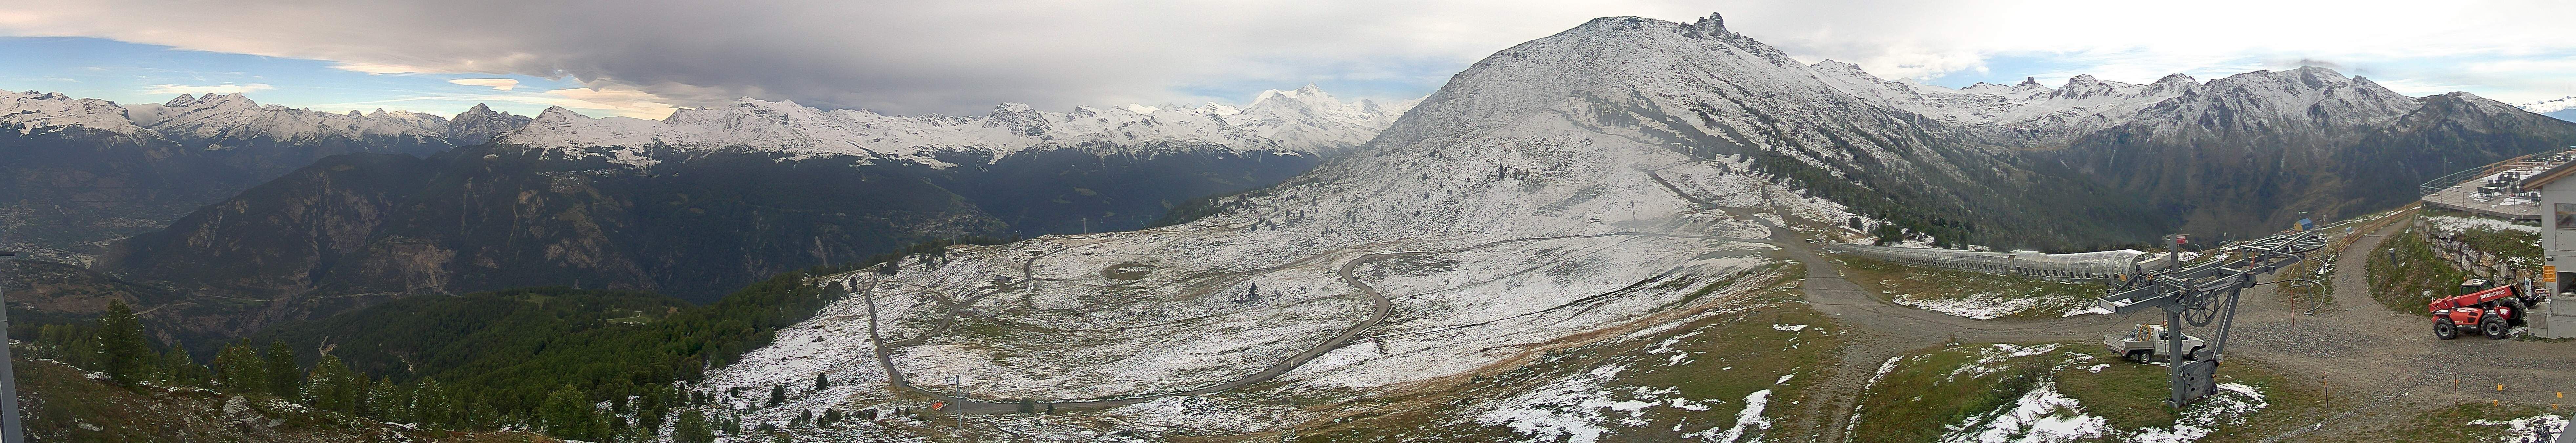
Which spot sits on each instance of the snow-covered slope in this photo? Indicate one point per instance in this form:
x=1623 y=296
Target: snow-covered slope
x=31 y=111
x=1305 y=120
x=1496 y=218
x=236 y=117
x=2012 y=115
x=1552 y=191
x=220 y=121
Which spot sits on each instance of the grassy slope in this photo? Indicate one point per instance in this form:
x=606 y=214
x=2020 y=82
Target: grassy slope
x=2452 y=424
x=1879 y=277
x=1731 y=355
x=1920 y=397
x=2400 y=285
x=64 y=404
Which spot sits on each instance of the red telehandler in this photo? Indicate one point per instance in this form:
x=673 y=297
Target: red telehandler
x=2493 y=311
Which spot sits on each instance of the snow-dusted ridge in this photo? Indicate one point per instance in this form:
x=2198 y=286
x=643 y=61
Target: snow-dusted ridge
x=1306 y=120
x=32 y=111
x=219 y=121
x=1559 y=187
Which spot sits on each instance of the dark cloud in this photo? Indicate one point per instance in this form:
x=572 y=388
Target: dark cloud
x=903 y=57
x=963 y=56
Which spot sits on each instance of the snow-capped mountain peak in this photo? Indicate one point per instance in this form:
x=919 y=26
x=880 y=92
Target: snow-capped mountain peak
x=31 y=111
x=1303 y=120
x=236 y=117
x=220 y=121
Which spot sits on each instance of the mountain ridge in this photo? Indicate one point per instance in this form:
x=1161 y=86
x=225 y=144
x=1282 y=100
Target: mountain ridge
x=1557 y=189
x=1306 y=120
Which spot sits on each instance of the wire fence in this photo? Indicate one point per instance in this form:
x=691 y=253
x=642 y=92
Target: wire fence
x=2098 y=265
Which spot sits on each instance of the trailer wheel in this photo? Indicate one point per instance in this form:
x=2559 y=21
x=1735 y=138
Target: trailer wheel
x=2494 y=327
x=2139 y=355
x=2444 y=329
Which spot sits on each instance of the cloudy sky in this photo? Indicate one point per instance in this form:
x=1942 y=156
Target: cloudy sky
x=640 y=58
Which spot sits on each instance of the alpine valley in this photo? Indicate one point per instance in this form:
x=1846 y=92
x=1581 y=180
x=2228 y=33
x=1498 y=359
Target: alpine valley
x=698 y=204
x=1598 y=235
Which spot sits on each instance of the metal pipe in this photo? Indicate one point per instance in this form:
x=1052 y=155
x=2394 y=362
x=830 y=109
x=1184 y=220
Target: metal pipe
x=10 y=430
x=2174 y=353
x=2226 y=320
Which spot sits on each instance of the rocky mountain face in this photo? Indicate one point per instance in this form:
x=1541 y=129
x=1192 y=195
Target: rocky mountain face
x=81 y=172
x=480 y=124
x=2243 y=155
x=1830 y=129
x=2236 y=156
x=711 y=199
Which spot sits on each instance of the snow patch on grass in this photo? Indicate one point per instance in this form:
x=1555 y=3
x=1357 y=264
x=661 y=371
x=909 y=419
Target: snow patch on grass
x=1750 y=419
x=2041 y=416
x=2226 y=407
x=1790 y=328
x=1981 y=306
x=2542 y=428
x=2450 y=225
x=1989 y=359
x=2085 y=310
x=1580 y=409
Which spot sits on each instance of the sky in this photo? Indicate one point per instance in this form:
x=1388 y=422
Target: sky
x=642 y=58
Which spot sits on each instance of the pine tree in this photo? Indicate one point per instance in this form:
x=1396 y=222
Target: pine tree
x=240 y=371
x=568 y=414
x=777 y=394
x=282 y=371
x=479 y=415
x=122 y=351
x=388 y=403
x=75 y=345
x=431 y=406
x=651 y=407
x=830 y=416
x=179 y=369
x=821 y=382
x=333 y=387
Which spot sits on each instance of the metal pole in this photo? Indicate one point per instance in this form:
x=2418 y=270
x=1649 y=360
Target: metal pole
x=10 y=430
x=2227 y=319
x=2174 y=353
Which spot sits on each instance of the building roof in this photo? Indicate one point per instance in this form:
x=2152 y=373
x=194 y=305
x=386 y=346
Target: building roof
x=2544 y=177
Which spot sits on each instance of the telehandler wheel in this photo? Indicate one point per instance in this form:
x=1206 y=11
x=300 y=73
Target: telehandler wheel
x=2494 y=327
x=2445 y=330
